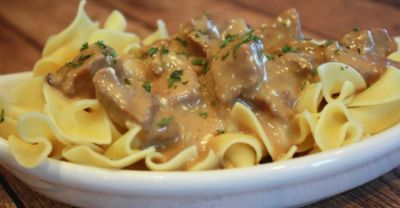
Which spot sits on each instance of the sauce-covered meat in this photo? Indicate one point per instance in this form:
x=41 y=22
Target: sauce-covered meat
x=182 y=89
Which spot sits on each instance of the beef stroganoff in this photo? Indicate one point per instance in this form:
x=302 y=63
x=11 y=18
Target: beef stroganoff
x=210 y=96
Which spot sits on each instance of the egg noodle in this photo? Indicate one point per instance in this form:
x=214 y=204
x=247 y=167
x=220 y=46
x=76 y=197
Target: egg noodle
x=40 y=122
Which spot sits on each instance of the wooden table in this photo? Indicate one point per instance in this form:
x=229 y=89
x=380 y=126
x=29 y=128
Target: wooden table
x=25 y=26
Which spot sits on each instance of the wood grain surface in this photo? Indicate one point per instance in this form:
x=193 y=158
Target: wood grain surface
x=26 y=25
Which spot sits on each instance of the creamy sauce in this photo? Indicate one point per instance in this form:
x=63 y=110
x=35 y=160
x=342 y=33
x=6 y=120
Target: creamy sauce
x=182 y=89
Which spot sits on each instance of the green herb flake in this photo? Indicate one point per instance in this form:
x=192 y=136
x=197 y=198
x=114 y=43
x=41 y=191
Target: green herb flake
x=152 y=51
x=287 y=49
x=228 y=39
x=126 y=81
x=84 y=46
x=165 y=121
x=269 y=57
x=203 y=114
x=225 y=56
x=213 y=102
x=174 y=77
x=356 y=29
x=199 y=32
x=342 y=68
x=220 y=131
x=198 y=62
x=82 y=58
x=2 y=116
x=206 y=68
x=147 y=86
x=303 y=85
x=73 y=64
x=164 y=50
x=101 y=44
x=246 y=38
x=206 y=14
x=181 y=41
x=187 y=54
x=314 y=71
x=328 y=43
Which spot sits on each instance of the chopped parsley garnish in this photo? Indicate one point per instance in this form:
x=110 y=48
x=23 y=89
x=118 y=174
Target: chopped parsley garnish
x=203 y=114
x=85 y=46
x=111 y=52
x=206 y=14
x=246 y=38
x=152 y=51
x=79 y=62
x=303 y=85
x=183 y=53
x=198 y=62
x=206 y=68
x=314 y=71
x=164 y=50
x=126 y=81
x=181 y=41
x=174 y=77
x=356 y=29
x=328 y=43
x=165 y=121
x=147 y=86
x=82 y=58
x=101 y=44
x=213 y=103
x=342 y=68
x=2 y=116
x=220 y=131
x=73 y=64
x=269 y=57
x=228 y=39
x=287 y=49
x=225 y=56
x=337 y=51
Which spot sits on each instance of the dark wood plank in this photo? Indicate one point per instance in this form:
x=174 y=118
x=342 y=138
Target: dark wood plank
x=174 y=12
x=5 y=199
x=333 y=18
x=28 y=197
x=41 y=18
x=16 y=54
x=381 y=192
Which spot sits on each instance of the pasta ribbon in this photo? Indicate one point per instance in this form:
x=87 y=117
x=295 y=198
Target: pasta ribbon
x=160 y=33
x=210 y=162
x=336 y=127
x=87 y=155
x=341 y=79
x=118 y=40
x=246 y=118
x=155 y=160
x=8 y=127
x=115 y=21
x=301 y=130
x=63 y=47
x=376 y=118
x=310 y=98
x=37 y=125
x=29 y=153
x=237 y=150
x=70 y=115
x=385 y=90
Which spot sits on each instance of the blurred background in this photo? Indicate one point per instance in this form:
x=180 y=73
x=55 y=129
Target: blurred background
x=25 y=25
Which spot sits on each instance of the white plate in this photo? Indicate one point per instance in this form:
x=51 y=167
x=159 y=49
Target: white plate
x=282 y=184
